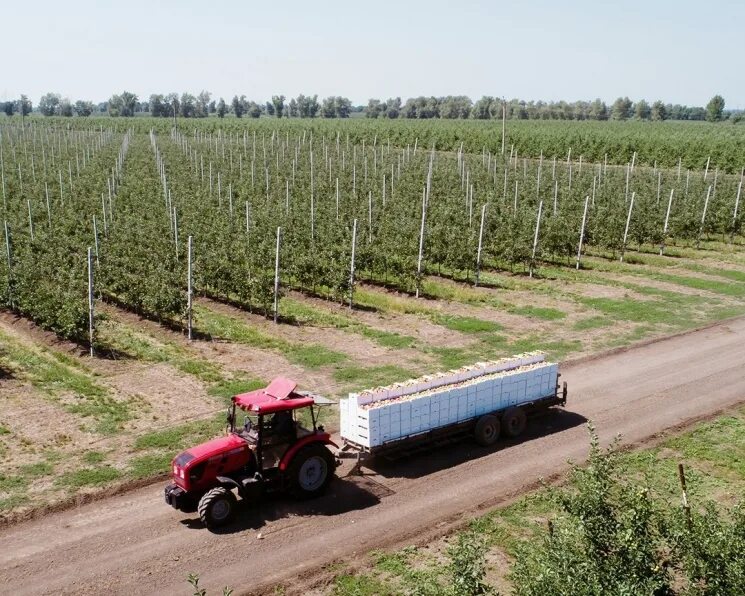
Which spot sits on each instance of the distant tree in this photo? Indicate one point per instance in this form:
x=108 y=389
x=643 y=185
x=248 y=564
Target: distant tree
x=641 y=110
x=278 y=102
x=188 y=106
x=65 y=108
x=49 y=104
x=83 y=108
x=374 y=108
x=173 y=103
x=658 y=112
x=9 y=107
x=393 y=107
x=202 y=105
x=222 y=108
x=598 y=110
x=158 y=107
x=212 y=107
x=237 y=106
x=24 y=107
x=253 y=109
x=714 y=108
x=342 y=106
x=328 y=107
x=270 y=108
x=123 y=105
x=621 y=109
x=292 y=109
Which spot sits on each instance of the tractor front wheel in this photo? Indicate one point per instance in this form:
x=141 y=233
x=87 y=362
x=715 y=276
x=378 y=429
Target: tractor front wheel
x=310 y=471
x=217 y=507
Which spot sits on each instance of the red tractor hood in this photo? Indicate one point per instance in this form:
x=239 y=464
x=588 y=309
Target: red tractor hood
x=216 y=447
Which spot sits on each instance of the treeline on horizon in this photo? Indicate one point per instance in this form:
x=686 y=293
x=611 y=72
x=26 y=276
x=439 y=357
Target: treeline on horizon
x=451 y=107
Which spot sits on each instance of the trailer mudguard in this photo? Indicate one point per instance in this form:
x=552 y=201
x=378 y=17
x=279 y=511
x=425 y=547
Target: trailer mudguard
x=323 y=438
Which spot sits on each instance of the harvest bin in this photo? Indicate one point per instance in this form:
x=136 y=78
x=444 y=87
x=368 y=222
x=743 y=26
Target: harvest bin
x=375 y=417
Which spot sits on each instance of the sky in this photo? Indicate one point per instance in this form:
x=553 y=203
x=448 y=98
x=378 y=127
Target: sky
x=678 y=51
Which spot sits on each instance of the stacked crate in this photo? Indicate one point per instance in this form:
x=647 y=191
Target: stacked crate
x=401 y=410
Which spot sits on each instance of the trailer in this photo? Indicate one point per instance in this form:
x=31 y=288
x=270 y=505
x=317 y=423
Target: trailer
x=482 y=401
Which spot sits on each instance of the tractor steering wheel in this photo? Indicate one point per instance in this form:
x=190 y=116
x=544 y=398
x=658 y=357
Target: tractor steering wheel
x=247 y=424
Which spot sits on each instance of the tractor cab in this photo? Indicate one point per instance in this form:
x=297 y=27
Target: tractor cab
x=278 y=446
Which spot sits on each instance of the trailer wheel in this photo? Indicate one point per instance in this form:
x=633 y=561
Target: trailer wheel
x=514 y=421
x=310 y=471
x=217 y=507
x=487 y=430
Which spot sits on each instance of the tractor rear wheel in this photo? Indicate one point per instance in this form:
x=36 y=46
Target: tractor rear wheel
x=310 y=471
x=217 y=507
x=514 y=421
x=487 y=430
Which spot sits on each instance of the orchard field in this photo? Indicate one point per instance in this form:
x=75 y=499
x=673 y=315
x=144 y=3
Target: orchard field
x=449 y=244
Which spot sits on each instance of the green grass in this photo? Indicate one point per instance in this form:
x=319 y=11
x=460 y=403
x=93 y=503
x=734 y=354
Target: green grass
x=465 y=324
x=360 y=585
x=56 y=379
x=177 y=437
x=592 y=323
x=228 y=388
x=88 y=477
x=37 y=469
x=10 y=483
x=93 y=457
x=231 y=329
x=317 y=317
x=141 y=346
x=146 y=466
x=538 y=312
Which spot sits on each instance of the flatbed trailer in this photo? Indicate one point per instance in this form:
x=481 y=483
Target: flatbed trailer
x=452 y=433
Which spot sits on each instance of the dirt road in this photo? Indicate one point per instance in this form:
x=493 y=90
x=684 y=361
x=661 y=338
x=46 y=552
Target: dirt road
x=135 y=544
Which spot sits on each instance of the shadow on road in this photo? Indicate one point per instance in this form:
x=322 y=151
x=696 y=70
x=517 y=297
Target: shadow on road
x=343 y=495
x=437 y=459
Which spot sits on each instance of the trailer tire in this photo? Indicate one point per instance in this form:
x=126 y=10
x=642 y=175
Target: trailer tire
x=217 y=507
x=310 y=471
x=487 y=430
x=514 y=421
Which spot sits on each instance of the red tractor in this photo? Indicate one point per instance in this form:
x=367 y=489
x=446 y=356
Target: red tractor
x=271 y=452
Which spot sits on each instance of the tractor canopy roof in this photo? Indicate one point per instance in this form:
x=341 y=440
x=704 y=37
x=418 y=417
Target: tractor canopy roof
x=279 y=396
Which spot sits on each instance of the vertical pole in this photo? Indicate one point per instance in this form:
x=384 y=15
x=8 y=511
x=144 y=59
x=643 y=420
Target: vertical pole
x=90 y=300
x=9 y=257
x=667 y=219
x=734 y=215
x=582 y=233
x=703 y=217
x=535 y=238
x=628 y=222
x=30 y=220
x=189 y=287
x=369 y=216
x=556 y=195
x=421 y=242
x=686 y=506
x=276 y=276
x=504 y=123
x=351 y=267
x=481 y=238
x=337 y=199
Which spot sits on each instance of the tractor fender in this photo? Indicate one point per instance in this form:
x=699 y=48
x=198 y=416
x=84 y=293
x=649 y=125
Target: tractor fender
x=323 y=438
x=230 y=483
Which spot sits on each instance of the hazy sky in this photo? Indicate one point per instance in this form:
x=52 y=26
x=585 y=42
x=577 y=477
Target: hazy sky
x=679 y=51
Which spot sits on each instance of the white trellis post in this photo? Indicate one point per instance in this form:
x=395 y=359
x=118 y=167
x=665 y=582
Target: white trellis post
x=90 y=300
x=9 y=256
x=628 y=222
x=421 y=242
x=582 y=233
x=535 y=238
x=351 y=267
x=481 y=238
x=667 y=220
x=703 y=217
x=189 y=286
x=734 y=214
x=276 y=276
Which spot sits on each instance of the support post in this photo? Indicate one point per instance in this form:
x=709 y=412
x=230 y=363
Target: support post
x=276 y=276
x=351 y=267
x=582 y=233
x=90 y=300
x=481 y=239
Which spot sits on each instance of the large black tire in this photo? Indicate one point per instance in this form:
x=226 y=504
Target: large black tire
x=487 y=429
x=217 y=507
x=513 y=422
x=310 y=471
